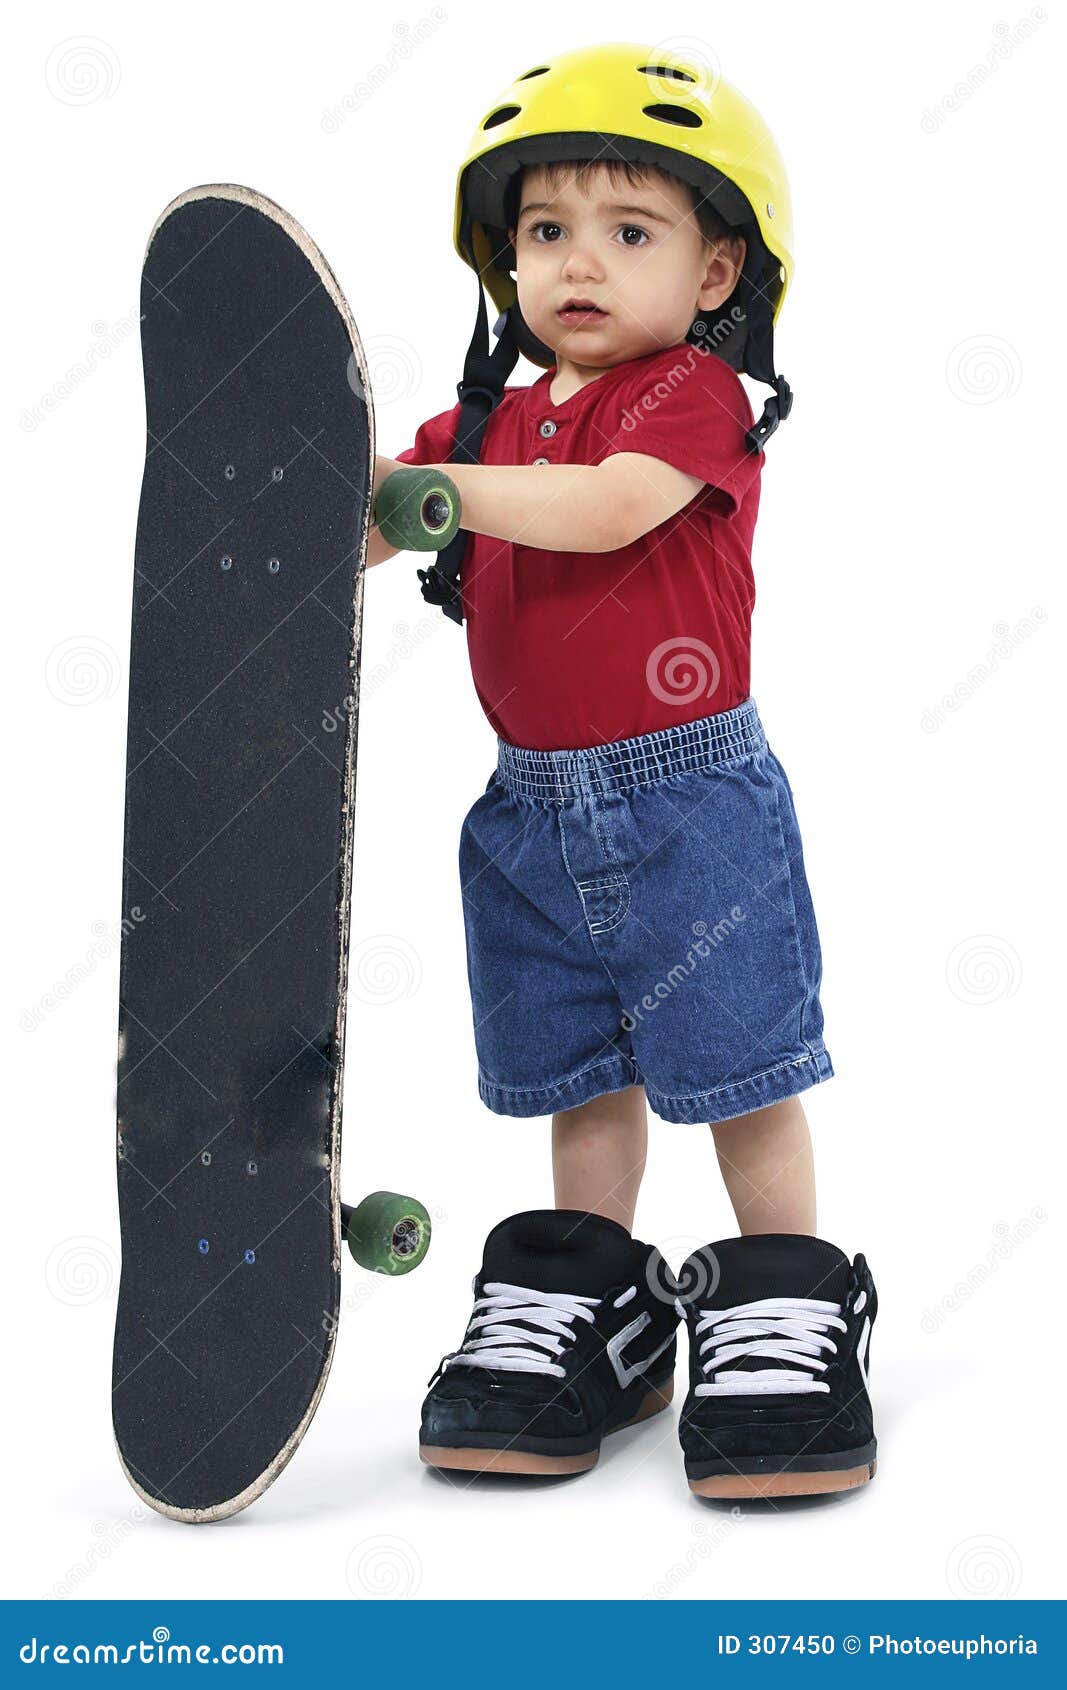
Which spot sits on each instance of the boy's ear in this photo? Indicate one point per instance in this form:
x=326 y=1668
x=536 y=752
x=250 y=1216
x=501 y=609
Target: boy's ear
x=723 y=271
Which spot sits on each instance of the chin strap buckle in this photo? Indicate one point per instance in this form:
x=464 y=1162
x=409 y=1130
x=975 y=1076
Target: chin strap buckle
x=439 y=589
x=775 y=411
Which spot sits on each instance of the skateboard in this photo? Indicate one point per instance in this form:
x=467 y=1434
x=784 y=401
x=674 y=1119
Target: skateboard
x=237 y=853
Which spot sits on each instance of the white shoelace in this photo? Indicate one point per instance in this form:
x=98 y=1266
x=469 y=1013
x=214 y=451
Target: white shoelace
x=492 y=1341
x=785 y=1329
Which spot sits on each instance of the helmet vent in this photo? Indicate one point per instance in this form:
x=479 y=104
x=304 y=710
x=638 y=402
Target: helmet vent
x=678 y=115
x=540 y=71
x=503 y=114
x=670 y=72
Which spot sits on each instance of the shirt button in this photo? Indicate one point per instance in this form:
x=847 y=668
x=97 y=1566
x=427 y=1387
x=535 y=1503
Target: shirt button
x=541 y=460
x=547 y=429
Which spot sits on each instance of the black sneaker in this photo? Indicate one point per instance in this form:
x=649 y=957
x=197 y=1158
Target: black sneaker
x=573 y=1335
x=779 y=1335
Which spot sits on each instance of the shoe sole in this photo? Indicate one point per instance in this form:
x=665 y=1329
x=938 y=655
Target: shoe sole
x=752 y=1486
x=532 y=1464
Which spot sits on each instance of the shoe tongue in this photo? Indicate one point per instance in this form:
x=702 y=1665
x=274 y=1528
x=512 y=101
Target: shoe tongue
x=773 y=1264
x=560 y=1250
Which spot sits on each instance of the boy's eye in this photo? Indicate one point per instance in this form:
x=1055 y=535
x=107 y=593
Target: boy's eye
x=630 y=234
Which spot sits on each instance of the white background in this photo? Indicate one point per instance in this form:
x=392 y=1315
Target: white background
x=910 y=527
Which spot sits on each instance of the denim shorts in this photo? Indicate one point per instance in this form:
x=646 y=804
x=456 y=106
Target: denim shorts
x=638 y=913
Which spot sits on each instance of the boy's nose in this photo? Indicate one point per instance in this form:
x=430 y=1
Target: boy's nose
x=579 y=265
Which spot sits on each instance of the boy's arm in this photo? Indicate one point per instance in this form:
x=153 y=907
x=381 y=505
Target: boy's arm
x=559 y=507
x=571 y=507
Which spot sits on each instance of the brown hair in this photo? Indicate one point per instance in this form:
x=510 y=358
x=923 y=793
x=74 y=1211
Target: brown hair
x=712 y=226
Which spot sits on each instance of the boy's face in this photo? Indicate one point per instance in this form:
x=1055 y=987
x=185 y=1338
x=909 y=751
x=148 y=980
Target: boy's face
x=636 y=254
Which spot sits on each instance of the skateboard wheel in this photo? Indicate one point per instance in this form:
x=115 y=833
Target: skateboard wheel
x=387 y=1233
x=417 y=510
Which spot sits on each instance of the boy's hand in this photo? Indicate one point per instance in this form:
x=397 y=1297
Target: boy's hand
x=379 y=549
x=384 y=467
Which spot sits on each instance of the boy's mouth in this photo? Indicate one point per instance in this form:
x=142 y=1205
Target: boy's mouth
x=581 y=313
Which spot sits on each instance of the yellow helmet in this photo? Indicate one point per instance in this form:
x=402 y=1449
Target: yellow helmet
x=641 y=105
x=644 y=105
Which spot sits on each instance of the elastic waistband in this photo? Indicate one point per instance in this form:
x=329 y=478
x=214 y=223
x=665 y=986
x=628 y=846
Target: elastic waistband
x=626 y=763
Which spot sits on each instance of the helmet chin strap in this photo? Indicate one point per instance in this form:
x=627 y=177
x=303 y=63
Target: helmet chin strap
x=480 y=392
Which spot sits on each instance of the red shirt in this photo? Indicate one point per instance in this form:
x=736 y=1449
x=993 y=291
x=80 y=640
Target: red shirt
x=573 y=649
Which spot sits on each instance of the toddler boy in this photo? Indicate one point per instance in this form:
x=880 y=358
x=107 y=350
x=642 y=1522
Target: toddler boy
x=638 y=920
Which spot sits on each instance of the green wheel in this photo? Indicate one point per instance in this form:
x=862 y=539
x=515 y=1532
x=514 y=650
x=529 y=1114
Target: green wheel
x=387 y=1233
x=417 y=510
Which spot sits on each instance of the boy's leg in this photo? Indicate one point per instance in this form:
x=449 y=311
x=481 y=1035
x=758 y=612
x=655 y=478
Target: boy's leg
x=598 y=1155
x=778 y=1438
x=768 y=1168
